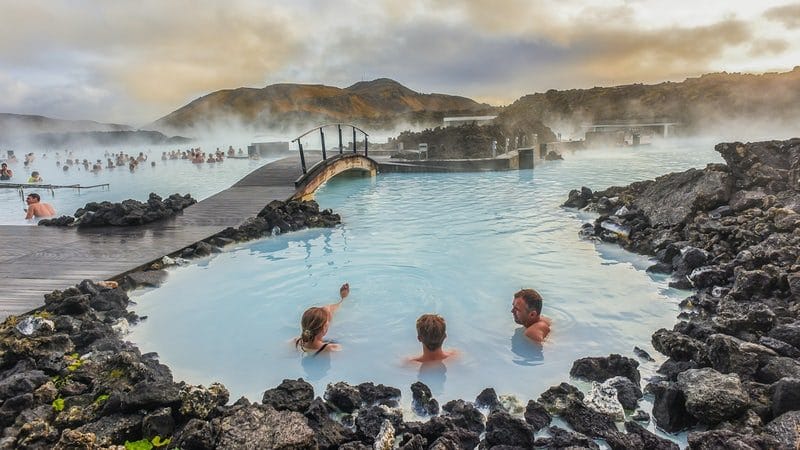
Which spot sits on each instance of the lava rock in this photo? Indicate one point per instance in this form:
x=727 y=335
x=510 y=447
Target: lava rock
x=536 y=415
x=578 y=199
x=488 y=399
x=557 y=399
x=789 y=333
x=328 y=433
x=195 y=435
x=602 y=398
x=370 y=421
x=290 y=395
x=727 y=439
x=261 y=426
x=343 y=396
x=21 y=383
x=464 y=415
x=423 y=401
x=563 y=439
x=780 y=347
x=504 y=429
x=678 y=346
x=712 y=397
x=602 y=368
x=648 y=440
x=158 y=423
x=641 y=354
x=200 y=402
x=776 y=368
x=148 y=278
x=786 y=428
x=628 y=392
x=785 y=396
x=372 y=393
x=669 y=407
x=115 y=428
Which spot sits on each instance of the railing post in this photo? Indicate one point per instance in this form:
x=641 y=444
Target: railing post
x=354 y=139
x=366 y=144
x=322 y=139
x=340 y=138
x=302 y=158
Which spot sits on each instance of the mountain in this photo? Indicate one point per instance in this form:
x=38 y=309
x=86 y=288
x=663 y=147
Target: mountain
x=381 y=103
x=26 y=132
x=20 y=124
x=723 y=102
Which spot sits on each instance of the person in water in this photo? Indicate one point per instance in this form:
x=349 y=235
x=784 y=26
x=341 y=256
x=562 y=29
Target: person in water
x=37 y=209
x=314 y=325
x=5 y=172
x=527 y=311
x=35 y=177
x=431 y=332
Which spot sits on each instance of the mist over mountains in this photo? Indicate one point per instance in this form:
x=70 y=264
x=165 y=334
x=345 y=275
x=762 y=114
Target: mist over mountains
x=723 y=103
x=377 y=104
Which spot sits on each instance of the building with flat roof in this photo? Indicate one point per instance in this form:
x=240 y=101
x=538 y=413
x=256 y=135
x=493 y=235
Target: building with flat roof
x=463 y=120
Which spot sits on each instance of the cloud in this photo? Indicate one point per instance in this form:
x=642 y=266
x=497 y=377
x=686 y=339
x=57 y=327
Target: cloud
x=788 y=15
x=135 y=62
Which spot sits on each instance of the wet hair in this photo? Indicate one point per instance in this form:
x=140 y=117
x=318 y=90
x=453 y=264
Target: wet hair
x=311 y=324
x=533 y=301
x=34 y=174
x=36 y=196
x=431 y=330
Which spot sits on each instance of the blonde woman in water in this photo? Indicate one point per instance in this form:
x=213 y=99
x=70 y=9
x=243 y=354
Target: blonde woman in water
x=314 y=325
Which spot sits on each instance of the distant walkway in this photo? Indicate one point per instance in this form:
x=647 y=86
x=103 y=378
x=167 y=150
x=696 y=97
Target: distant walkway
x=36 y=260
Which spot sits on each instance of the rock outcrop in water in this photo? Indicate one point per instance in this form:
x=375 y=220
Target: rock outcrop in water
x=731 y=232
x=127 y=213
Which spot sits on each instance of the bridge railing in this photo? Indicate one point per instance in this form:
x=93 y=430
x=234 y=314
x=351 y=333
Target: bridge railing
x=338 y=128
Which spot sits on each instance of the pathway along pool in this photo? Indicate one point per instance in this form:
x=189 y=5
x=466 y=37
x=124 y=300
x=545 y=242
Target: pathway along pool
x=458 y=245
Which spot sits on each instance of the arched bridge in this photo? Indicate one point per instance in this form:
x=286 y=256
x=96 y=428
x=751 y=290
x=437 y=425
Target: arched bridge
x=338 y=160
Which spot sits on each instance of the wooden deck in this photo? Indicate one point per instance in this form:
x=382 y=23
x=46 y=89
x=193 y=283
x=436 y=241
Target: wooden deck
x=37 y=260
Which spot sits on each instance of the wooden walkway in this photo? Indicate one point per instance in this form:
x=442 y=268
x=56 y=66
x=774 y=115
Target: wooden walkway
x=36 y=260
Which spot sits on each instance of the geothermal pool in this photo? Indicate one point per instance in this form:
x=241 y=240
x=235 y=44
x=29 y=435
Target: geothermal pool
x=166 y=178
x=458 y=245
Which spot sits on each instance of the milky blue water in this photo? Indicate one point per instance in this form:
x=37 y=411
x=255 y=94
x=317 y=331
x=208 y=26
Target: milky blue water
x=458 y=245
x=166 y=178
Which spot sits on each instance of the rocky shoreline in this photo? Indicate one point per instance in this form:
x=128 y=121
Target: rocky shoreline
x=124 y=214
x=69 y=381
x=731 y=232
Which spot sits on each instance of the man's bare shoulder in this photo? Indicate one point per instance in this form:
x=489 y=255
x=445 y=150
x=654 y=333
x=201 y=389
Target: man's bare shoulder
x=538 y=331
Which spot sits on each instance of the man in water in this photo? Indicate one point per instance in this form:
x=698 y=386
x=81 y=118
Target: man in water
x=527 y=311
x=37 y=209
x=431 y=332
x=5 y=172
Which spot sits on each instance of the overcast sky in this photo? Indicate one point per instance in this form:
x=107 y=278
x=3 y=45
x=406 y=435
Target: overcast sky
x=135 y=61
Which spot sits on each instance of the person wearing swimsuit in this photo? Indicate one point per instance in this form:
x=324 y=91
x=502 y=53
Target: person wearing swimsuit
x=314 y=325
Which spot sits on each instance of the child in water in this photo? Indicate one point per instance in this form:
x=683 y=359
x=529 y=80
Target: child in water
x=314 y=325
